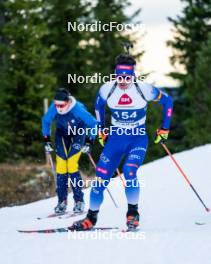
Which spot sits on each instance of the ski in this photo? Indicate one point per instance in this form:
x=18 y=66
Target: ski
x=130 y=230
x=52 y=215
x=200 y=223
x=65 y=229
x=61 y=215
x=71 y=214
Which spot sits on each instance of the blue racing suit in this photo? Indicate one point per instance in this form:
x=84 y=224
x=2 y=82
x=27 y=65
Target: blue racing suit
x=128 y=115
x=68 y=143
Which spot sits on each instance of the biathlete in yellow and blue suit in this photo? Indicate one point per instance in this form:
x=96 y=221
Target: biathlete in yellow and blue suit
x=70 y=116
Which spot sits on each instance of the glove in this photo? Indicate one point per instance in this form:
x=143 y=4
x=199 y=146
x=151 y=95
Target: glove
x=102 y=137
x=87 y=148
x=48 y=145
x=161 y=135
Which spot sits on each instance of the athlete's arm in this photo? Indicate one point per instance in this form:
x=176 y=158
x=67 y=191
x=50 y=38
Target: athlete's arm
x=100 y=110
x=166 y=101
x=47 y=120
x=79 y=111
x=154 y=94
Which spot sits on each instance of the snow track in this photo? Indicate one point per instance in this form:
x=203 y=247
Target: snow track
x=168 y=233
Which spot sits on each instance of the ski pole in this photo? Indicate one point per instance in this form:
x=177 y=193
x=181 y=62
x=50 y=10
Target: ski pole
x=94 y=165
x=184 y=175
x=120 y=176
x=52 y=169
x=117 y=170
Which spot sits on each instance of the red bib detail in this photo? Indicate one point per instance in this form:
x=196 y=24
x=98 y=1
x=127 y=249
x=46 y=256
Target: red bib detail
x=125 y=100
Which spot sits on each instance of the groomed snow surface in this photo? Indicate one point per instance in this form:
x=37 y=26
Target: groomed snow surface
x=168 y=233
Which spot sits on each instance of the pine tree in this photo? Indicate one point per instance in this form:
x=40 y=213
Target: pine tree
x=104 y=46
x=85 y=52
x=198 y=124
x=35 y=43
x=25 y=78
x=109 y=43
x=69 y=55
x=190 y=31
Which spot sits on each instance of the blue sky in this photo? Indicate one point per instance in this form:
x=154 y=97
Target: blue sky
x=156 y=59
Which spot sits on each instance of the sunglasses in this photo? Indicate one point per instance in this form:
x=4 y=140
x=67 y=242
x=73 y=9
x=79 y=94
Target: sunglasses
x=60 y=105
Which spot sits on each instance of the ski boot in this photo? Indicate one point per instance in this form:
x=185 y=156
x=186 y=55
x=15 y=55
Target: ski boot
x=61 y=207
x=87 y=223
x=78 y=207
x=132 y=217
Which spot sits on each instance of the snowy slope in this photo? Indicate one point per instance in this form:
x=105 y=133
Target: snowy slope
x=168 y=212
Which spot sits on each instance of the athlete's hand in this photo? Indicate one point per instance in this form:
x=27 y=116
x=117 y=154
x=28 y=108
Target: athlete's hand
x=102 y=137
x=48 y=145
x=161 y=135
x=87 y=148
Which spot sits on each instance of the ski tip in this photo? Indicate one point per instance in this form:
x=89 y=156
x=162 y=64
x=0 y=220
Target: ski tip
x=200 y=223
x=24 y=231
x=208 y=209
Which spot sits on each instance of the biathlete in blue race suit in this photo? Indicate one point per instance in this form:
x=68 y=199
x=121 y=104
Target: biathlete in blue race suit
x=127 y=99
